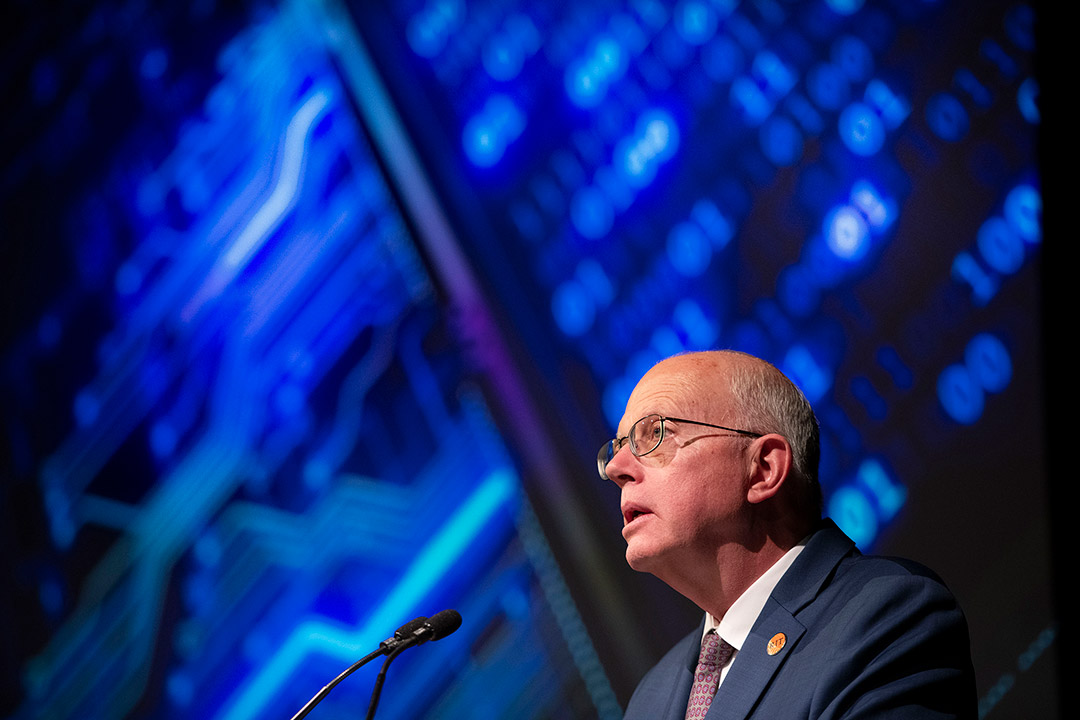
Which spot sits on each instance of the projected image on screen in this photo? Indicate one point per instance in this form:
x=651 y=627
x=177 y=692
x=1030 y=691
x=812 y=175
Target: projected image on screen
x=316 y=313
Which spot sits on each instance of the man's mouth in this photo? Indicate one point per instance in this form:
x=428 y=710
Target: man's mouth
x=633 y=512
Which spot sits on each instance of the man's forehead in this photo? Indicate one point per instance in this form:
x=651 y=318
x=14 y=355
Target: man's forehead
x=678 y=386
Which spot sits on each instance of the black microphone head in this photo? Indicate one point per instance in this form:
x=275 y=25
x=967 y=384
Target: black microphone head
x=443 y=623
x=404 y=632
x=410 y=627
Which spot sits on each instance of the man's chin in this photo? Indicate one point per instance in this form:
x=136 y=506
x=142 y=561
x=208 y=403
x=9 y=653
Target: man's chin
x=640 y=559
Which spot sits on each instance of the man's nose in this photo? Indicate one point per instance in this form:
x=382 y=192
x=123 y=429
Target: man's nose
x=623 y=467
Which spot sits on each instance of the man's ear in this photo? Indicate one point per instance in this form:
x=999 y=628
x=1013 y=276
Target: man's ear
x=770 y=465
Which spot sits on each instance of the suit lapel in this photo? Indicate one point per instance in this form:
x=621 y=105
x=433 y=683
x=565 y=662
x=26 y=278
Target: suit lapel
x=760 y=658
x=757 y=662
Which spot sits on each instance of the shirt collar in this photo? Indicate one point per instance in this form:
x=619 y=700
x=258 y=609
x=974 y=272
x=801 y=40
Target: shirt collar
x=740 y=617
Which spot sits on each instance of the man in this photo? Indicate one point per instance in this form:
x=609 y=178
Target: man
x=716 y=457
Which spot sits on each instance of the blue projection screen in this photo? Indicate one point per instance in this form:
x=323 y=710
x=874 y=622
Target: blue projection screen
x=315 y=313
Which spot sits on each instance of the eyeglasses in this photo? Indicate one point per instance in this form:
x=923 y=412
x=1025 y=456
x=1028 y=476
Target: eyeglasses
x=646 y=435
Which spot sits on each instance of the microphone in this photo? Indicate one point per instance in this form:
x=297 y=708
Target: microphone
x=403 y=633
x=415 y=632
x=436 y=627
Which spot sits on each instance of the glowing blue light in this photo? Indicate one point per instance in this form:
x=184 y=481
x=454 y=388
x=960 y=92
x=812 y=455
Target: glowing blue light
x=804 y=370
x=960 y=395
x=749 y=99
x=845 y=7
x=988 y=361
x=488 y=133
x=803 y=110
x=573 y=308
x=712 y=221
x=591 y=212
x=504 y=53
x=502 y=58
x=655 y=140
x=774 y=73
x=846 y=233
x=1000 y=246
x=588 y=78
x=695 y=21
x=701 y=332
x=666 y=342
x=888 y=494
x=781 y=141
x=878 y=210
x=828 y=86
x=1027 y=99
x=1023 y=212
x=890 y=107
x=966 y=269
x=689 y=251
x=861 y=129
x=851 y=510
x=946 y=117
x=428 y=30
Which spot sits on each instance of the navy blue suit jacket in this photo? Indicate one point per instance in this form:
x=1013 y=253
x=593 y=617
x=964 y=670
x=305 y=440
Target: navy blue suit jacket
x=864 y=637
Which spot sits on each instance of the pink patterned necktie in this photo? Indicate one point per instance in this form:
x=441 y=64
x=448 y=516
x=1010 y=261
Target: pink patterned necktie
x=715 y=653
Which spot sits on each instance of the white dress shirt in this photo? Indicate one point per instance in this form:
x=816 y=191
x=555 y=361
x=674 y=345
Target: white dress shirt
x=740 y=617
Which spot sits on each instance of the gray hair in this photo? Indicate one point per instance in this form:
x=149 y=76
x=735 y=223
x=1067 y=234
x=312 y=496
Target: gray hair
x=768 y=402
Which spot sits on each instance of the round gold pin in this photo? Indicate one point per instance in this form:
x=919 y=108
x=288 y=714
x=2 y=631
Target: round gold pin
x=776 y=644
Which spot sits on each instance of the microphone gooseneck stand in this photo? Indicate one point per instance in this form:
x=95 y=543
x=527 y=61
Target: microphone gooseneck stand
x=377 y=690
x=401 y=635
x=414 y=632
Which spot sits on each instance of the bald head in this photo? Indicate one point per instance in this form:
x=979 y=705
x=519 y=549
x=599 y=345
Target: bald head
x=752 y=394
